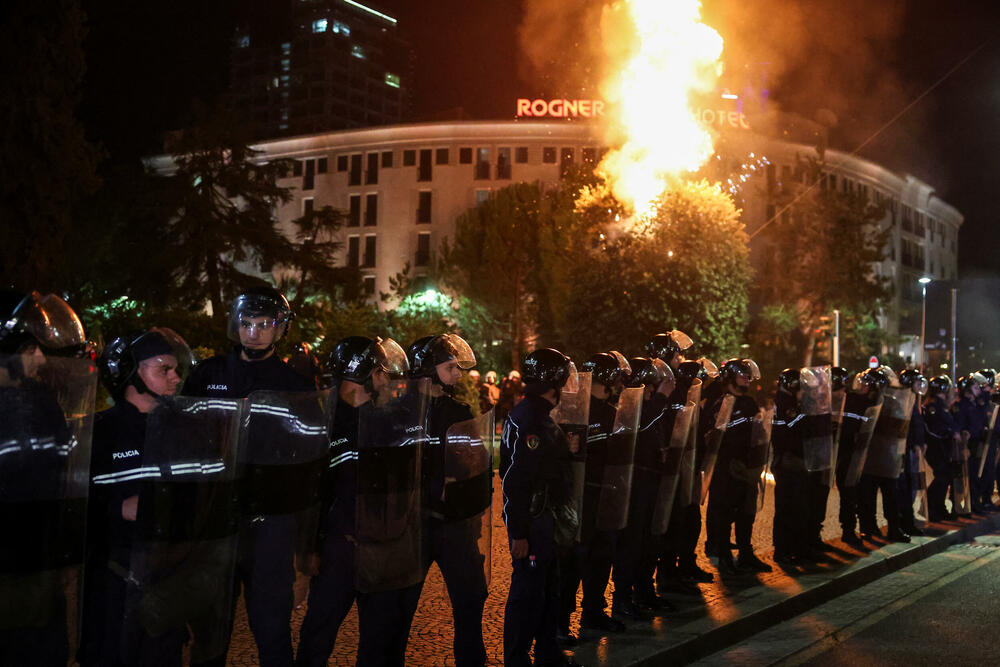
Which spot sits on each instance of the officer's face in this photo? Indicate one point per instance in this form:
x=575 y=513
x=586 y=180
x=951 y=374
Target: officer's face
x=159 y=374
x=32 y=359
x=380 y=380
x=449 y=372
x=258 y=333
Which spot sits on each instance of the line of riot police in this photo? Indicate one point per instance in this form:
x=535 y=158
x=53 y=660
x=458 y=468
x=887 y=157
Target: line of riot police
x=136 y=530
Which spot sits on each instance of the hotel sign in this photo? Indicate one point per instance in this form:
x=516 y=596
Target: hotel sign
x=540 y=108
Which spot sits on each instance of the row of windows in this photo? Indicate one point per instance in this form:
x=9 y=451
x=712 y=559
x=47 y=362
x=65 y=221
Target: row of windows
x=366 y=260
x=370 y=219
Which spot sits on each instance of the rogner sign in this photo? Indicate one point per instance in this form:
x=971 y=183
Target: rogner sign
x=559 y=108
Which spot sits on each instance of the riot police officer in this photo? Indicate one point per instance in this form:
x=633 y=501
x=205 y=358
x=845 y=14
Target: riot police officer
x=590 y=564
x=533 y=454
x=258 y=318
x=362 y=369
x=449 y=539
x=729 y=487
x=137 y=369
x=790 y=513
x=42 y=491
x=906 y=486
x=818 y=483
x=669 y=347
x=942 y=436
x=971 y=419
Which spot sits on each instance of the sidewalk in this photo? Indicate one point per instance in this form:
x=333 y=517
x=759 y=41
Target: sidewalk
x=723 y=613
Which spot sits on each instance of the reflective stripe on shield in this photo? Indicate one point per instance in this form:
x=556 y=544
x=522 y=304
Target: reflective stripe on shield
x=45 y=432
x=616 y=484
x=185 y=544
x=859 y=452
x=468 y=495
x=671 y=471
x=713 y=441
x=572 y=414
x=888 y=443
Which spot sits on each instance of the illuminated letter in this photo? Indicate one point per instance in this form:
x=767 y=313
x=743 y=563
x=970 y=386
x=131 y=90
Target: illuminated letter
x=585 y=108
x=569 y=108
x=598 y=108
x=743 y=122
x=538 y=108
x=556 y=108
x=523 y=107
x=708 y=117
x=734 y=118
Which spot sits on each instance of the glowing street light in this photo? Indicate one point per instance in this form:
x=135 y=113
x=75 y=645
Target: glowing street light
x=923 y=320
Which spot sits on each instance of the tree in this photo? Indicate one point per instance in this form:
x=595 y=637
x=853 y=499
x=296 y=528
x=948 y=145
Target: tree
x=817 y=256
x=47 y=166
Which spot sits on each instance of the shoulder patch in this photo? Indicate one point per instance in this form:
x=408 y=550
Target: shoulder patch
x=533 y=441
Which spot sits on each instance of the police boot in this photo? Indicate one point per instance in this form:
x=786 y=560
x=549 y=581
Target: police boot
x=726 y=566
x=851 y=538
x=896 y=535
x=749 y=561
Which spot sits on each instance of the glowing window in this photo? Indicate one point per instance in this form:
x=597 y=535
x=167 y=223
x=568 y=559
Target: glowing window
x=392 y=80
x=357 y=51
x=341 y=28
x=244 y=41
x=319 y=25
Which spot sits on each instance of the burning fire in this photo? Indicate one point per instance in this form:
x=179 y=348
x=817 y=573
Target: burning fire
x=660 y=55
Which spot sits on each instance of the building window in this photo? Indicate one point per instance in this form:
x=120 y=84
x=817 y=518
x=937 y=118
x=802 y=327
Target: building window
x=371 y=173
x=521 y=155
x=441 y=156
x=369 y=285
x=369 y=258
x=321 y=165
x=244 y=41
x=589 y=156
x=481 y=196
x=392 y=80
x=424 y=170
x=565 y=160
x=386 y=159
x=341 y=163
x=353 y=251
x=340 y=28
x=465 y=156
x=319 y=25
x=423 y=257
x=549 y=155
x=482 y=163
x=307 y=205
x=409 y=158
x=357 y=51
x=371 y=210
x=424 y=206
x=297 y=168
x=354 y=211
x=503 y=163
x=308 y=179
x=355 y=176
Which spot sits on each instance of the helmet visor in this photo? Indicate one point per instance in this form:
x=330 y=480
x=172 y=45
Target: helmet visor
x=891 y=375
x=181 y=350
x=681 y=339
x=919 y=386
x=572 y=385
x=623 y=364
x=751 y=366
x=51 y=321
x=459 y=350
x=391 y=357
x=707 y=365
x=808 y=378
x=248 y=307
x=663 y=371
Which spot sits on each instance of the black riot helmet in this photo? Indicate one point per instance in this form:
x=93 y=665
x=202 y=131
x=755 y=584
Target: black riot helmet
x=971 y=382
x=913 y=379
x=356 y=358
x=119 y=363
x=689 y=371
x=33 y=319
x=990 y=375
x=667 y=345
x=871 y=380
x=648 y=372
x=606 y=369
x=939 y=385
x=259 y=301
x=426 y=353
x=547 y=368
x=790 y=380
x=736 y=368
x=839 y=377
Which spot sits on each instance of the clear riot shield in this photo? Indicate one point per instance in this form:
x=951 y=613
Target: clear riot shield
x=670 y=473
x=45 y=427
x=888 y=443
x=919 y=472
x=989 y=440
x=759 y=459
x=616 y=485
x=388 y=504
x=572 y=414
x=187 y=522
x=817 y=422
x=282 y=461
x=689 y=492
x=862 y=439
x=468 y=493
x=960 y=489
x=713 y=441
x=837 y=400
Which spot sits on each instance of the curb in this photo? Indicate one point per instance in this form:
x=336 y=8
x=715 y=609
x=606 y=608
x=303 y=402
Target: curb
x=697 y=639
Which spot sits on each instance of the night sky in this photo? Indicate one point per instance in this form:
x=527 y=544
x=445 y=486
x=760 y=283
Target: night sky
x=149 y=61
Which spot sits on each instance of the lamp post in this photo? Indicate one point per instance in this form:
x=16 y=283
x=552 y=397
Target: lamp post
x=923 y=321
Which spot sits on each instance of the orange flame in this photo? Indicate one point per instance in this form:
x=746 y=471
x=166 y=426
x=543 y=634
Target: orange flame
x=660 y=55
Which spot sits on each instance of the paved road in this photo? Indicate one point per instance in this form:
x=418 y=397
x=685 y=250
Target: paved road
x=431 y=635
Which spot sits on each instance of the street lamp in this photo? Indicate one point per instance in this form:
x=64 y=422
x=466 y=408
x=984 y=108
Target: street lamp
x=923 y=320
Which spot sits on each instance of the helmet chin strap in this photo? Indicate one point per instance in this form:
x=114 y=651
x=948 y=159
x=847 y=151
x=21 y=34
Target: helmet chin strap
x=254 y=355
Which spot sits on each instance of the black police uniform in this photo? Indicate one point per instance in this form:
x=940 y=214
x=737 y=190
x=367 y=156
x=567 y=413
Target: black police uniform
x=677 y=556
x=532 y=455
x=449 y=539
x=265 y=566
x=971 y=417
x=633 y=571
x=855 y=406
x=940 y=430
x=791 y=518
x=909 y=482
x=732 y=498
